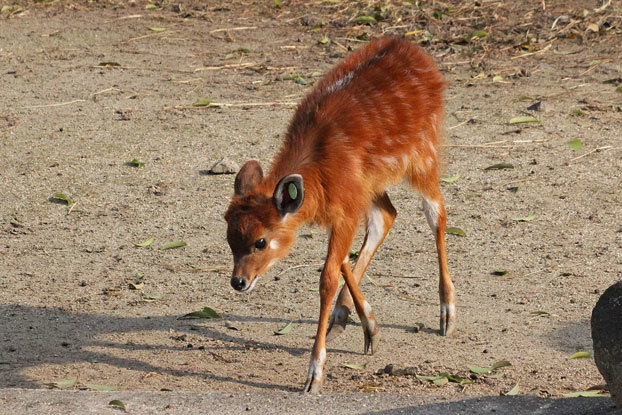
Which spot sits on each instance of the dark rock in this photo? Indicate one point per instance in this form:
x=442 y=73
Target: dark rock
x=607 y=338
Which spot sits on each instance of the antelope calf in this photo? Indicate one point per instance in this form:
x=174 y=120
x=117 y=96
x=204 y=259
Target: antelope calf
x=370 y=122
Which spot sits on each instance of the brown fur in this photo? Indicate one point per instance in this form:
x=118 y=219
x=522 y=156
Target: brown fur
x=370 y=122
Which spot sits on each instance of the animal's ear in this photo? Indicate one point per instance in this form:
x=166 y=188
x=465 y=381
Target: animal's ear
x=249 y=176
x=289 y=194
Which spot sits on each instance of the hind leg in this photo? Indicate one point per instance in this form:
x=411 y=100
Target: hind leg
x=380 y=218
x=436 y=216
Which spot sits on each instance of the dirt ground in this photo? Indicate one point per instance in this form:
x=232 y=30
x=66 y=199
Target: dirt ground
x=85 y=88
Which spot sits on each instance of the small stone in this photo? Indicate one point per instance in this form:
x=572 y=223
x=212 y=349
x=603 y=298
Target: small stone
x=224 y=166
x=607 y=338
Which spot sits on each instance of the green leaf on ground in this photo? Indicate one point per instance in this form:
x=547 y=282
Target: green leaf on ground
x=202 y=102
x=151 y=6
x=500 y=166
x=575 y=144
x=145 y=243
x=450 y=179
x=366 y=20
x=205 y=313
x=577 y=112
x=153 y=298
x=63 y=198
x=354 y=366
x=157 y=29
x=452 y=230
x=174 y=245
x=499 y=272
x=497 y=79
x=524 y=119
x=137 y=164
x=495 y=366
x=479 y=34
x=511 y=392
x=64 y=384
x=285 y=330
x=324 y=40
x=456 y=379
x=117 y=403
x=580 y=355
x=136 y=286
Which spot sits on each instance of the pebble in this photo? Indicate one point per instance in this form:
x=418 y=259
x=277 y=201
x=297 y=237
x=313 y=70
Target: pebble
x=224 y=166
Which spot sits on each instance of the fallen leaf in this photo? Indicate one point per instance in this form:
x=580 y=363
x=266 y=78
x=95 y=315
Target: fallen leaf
x=366 y=20
x=511 y=392
x=136 y=286
x=577 y=112
x=202 y=102
x=580 y=355
x=450 y=179
x=145 y=243
x=174 y=245
x=495 y=366
x=157 y=29
x=64 y=384
x=354 y=366
x=479 y=34
x=284 y=330
x=452 y=230
x=63 y=198
x=324 y=40
x=497 y=79
x=500 y=166
x=456 y=379
x=499 y=272
x=153 y=298
x=136 y=163
x=540 y=313
x=117 y=403
x=151 y=6
x=524 y=119
x=575 y=144
x=205 y=313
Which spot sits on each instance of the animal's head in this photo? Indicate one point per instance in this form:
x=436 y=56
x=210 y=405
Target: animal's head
x=258 y=230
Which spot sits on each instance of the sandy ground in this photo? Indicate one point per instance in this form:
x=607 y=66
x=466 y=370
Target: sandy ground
x=86 y=89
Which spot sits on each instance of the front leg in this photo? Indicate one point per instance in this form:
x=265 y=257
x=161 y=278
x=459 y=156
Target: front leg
x=328 y=288
x=340 y=241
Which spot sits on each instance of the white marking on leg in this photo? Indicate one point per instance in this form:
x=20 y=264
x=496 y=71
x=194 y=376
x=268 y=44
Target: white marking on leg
x=432 y=210
x=316 y=365
x=450 y=309
x=366 y=308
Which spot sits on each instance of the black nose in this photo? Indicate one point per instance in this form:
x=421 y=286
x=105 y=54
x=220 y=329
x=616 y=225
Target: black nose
x=239 y=283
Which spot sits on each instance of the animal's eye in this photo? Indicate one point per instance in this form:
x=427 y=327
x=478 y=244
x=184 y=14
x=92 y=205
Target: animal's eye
x=260 y=243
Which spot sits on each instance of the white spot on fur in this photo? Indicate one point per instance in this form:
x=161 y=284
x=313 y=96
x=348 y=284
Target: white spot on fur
x=274 y=244
x=405 y=159
x=432 y=147
x=432 y=210
x=392 y=161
